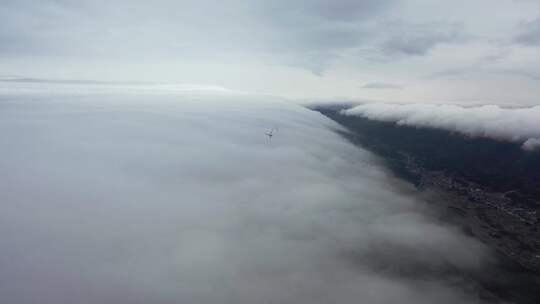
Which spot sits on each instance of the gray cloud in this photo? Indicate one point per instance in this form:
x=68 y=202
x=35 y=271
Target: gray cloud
x=381 y=85
x=418 y=39
x=521 y=125
x=479 y=70
x=168 y=198
x=178 y=26
x=529 y=33
x=348 y=11
x=308 y=34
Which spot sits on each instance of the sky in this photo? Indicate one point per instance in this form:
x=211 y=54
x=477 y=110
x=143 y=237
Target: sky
x=463 y=51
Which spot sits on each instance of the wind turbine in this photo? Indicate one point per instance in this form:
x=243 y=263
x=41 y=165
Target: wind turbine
x=270 y=133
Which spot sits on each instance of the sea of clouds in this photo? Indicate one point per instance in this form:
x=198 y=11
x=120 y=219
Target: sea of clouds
x=520 y=125
x=181 y=198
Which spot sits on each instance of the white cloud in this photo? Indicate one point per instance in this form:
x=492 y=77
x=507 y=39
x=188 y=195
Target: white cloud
x=181 y=198
x=531 y=144
x=510 y=124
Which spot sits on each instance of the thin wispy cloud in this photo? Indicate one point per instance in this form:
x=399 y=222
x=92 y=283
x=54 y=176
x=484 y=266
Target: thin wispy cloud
x=381 y=86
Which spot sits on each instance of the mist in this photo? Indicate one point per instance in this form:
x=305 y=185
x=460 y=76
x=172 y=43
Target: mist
x=179 y=197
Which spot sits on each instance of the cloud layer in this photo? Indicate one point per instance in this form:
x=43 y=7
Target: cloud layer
x=521 y=125
x=181 y=198
x=306 y=34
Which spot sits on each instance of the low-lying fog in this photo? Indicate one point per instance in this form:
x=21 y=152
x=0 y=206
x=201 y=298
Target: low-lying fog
x=182 y=198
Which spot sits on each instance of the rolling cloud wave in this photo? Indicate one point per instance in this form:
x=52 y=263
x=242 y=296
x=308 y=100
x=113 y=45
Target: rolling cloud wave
x=182 y=198
x=520 y=125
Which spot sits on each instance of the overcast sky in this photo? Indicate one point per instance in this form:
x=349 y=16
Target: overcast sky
x=465 y=51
